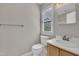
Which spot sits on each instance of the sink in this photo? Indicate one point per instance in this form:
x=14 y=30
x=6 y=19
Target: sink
x=66 y=43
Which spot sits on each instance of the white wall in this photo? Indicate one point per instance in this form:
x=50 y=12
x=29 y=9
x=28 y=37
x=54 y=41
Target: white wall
x=18 y=40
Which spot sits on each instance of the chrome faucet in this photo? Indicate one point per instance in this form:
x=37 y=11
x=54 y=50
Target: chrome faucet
x=65 y=38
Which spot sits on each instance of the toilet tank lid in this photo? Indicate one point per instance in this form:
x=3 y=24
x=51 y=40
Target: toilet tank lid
x=44 y=36
x=37 y=46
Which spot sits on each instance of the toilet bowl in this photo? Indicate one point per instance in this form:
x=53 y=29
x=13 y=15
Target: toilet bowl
x=37 y=50
x=40 y=48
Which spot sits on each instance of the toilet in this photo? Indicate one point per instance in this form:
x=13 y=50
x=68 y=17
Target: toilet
x=40 y=49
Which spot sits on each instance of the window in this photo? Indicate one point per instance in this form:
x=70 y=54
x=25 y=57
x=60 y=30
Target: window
x=47 y=20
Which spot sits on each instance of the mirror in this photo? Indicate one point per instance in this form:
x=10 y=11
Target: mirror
x=69 y=18
x=66 y=14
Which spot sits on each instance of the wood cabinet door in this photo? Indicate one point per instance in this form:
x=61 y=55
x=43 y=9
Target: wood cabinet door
x=52 y=50
x=65 y=53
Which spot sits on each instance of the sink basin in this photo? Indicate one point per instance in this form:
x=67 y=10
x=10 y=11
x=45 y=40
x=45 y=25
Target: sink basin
x=66 y=43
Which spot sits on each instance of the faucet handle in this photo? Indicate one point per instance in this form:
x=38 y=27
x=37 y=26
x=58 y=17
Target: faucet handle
x=67 y=39
x=64 y=37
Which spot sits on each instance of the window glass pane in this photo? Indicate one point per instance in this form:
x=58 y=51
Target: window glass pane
x=48 y=14
x=47 y=26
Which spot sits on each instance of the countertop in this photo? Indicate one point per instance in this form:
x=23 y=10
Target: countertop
x=74 y=50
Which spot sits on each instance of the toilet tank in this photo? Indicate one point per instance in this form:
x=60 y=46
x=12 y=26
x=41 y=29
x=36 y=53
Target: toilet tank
x=44 y=40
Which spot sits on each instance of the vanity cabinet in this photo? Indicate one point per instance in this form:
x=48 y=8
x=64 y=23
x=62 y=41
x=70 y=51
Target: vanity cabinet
x=56 y=51
x=52 y=50
x=65 y=53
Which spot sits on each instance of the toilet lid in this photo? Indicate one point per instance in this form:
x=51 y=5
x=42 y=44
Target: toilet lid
x=37 y=46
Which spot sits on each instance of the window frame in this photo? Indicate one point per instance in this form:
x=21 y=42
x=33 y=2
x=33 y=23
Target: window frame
x=52 y=23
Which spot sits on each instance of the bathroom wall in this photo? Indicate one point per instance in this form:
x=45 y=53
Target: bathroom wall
x=71 y=30
x=17 y=40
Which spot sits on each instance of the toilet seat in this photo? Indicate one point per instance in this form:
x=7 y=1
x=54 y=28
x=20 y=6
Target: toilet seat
x=37 y=46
